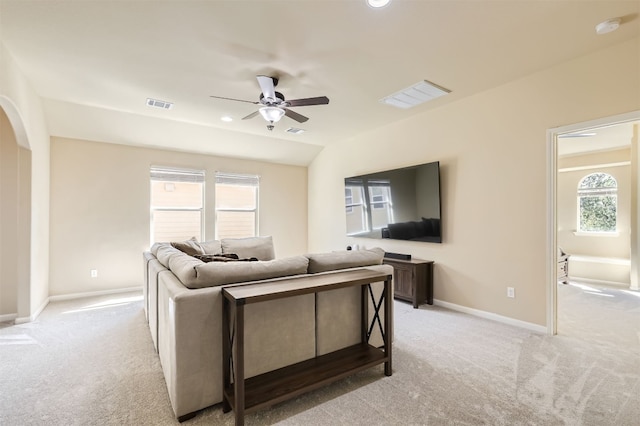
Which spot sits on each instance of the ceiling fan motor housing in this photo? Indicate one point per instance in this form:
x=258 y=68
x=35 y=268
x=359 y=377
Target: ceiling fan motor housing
x=279 y=101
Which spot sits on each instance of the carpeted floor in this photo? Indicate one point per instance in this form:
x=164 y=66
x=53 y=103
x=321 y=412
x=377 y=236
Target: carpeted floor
x=91 y=362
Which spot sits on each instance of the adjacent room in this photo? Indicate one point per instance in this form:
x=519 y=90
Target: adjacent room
x=420 y=212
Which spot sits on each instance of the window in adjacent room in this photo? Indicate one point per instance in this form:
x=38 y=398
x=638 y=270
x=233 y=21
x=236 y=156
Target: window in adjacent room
x=177 y=204
x=597 y=203
x=236 y=205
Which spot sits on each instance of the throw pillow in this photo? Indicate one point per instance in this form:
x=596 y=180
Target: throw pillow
x=190 y=247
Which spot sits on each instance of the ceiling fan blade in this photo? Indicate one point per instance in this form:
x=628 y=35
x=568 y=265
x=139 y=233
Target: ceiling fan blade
x=267 y=87
x=253 y=114
x=320 y=100
x=232 y=99
x=295 y=116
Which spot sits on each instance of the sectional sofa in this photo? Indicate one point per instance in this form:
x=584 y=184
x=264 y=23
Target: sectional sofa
x=183 y=305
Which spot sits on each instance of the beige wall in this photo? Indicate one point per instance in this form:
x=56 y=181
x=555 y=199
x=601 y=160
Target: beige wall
x=100 y=209
x=492 y=153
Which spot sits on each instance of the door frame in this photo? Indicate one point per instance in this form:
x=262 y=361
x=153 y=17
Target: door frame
x=552 y=226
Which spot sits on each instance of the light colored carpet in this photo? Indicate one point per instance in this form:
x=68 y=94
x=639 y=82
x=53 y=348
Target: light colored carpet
x=91 y=362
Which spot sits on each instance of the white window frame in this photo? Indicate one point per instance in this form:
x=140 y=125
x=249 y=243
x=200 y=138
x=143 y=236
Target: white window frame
x=169 y=175
x=239 y=179
x=595 y=192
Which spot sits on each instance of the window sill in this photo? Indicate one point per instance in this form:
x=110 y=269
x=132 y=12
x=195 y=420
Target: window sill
x=596 y=234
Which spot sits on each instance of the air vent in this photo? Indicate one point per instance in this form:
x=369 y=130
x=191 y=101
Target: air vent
x=294 y=130
x=155 y=103
x=415 y=95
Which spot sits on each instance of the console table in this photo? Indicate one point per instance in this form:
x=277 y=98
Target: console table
x=413 y=280
x=244 y=395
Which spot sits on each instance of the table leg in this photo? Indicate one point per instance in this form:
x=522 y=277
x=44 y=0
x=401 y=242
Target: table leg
x=226 y=354
x=239 y=366
x=388 y=326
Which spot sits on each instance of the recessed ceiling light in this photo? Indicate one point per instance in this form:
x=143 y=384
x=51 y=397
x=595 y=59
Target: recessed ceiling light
x=155 y=103
x=226 y=118
x=608 y=26
x=378 y=3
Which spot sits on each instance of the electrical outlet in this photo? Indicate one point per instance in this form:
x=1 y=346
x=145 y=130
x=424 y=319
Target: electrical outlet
x=94 y=273
x=511 y=292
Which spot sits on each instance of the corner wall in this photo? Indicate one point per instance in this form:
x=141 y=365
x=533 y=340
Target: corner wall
x=100 y=211
x=492 y=152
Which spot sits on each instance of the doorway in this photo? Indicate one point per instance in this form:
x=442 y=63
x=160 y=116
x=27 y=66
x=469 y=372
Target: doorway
x=574 y=151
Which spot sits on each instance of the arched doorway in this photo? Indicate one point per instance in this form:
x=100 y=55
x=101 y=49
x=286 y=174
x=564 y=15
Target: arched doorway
x=15 y=215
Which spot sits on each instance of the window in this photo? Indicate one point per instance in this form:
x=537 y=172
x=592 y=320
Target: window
x=236 y=205
x=597 y=203
x=176 y=204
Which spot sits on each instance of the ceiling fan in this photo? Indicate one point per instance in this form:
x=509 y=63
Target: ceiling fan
x=274 y=106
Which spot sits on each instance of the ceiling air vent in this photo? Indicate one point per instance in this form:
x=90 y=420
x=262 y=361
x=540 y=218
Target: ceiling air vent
x=159 y=104
x=294 y=130
x=415 y=95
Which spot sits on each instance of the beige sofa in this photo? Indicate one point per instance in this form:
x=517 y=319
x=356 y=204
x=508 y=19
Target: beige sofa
x=183 y=304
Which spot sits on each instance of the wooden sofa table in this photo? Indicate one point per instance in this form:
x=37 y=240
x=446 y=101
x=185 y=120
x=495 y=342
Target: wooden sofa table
x=245 y=395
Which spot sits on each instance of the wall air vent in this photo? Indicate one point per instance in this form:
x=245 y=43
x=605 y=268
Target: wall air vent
x=155 y=103
x=415 y=95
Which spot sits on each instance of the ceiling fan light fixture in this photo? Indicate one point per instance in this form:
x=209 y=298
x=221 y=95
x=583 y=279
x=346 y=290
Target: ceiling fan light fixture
x=271 y=113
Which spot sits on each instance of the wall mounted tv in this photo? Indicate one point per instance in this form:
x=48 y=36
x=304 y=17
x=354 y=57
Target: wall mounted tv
x=401 y=204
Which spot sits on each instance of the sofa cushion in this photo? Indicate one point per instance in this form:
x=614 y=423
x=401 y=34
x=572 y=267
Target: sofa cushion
x=211 y=247
x=183 y=266
x=322 y=262
x=189 y=247
x=259 y=247
x=219 y=273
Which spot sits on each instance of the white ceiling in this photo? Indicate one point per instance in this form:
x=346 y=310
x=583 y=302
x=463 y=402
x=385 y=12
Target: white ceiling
x=95 y=62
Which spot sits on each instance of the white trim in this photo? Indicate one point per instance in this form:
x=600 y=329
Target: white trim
x=596 y=234
x=93 y=293
x=491 y=316
x=552 y=245
x=597 y=259
x=594 y=166
x=8 y=317
x=580 y=280
x=35 y=315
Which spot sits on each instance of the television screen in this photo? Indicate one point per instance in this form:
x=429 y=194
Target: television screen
x=401 y=204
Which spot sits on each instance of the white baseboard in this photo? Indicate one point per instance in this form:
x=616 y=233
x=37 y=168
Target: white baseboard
x=491 y=316
x=72 y=296
x=599 y=282
x=8 y=317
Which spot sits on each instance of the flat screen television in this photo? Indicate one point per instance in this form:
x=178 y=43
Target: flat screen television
x=400 y=204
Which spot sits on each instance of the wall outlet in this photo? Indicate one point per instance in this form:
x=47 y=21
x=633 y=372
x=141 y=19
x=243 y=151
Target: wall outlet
x=94 y=273
x=511 y=292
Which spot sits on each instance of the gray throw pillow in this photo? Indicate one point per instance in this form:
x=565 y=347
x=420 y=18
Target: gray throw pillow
x=190 y=247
